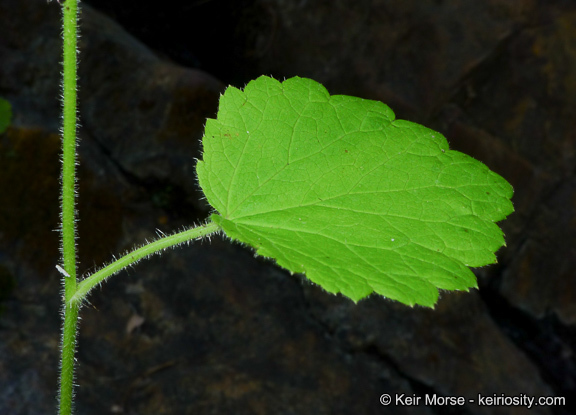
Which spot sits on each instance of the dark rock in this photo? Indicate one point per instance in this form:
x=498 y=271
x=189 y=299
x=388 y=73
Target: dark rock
x=168 y=106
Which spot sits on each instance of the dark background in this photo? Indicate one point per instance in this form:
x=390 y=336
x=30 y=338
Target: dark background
x=208 y=329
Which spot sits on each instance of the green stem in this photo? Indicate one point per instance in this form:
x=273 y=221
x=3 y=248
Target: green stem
x=132 y=257
x=69 y=331
x=69 y=113
x=75 y=292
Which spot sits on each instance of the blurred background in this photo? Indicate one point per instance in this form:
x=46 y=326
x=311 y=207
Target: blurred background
x=208 y=329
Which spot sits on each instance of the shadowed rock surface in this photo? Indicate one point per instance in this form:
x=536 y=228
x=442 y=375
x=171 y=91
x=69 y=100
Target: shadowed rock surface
x=209 y=329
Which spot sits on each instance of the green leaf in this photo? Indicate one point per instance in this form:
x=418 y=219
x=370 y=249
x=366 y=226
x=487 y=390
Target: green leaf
x=334 y=188
x=5 y=115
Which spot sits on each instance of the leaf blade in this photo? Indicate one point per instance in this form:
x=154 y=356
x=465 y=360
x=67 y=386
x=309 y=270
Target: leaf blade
x=334 y=188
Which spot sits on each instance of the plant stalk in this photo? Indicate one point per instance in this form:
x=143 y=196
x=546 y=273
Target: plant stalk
x=132 y=257
x=68 y=213
x=75 y=292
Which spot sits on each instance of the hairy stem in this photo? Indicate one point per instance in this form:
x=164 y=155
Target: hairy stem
x=67 y=365
x=69 y=113
x=132 y=257
x=75 y=292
